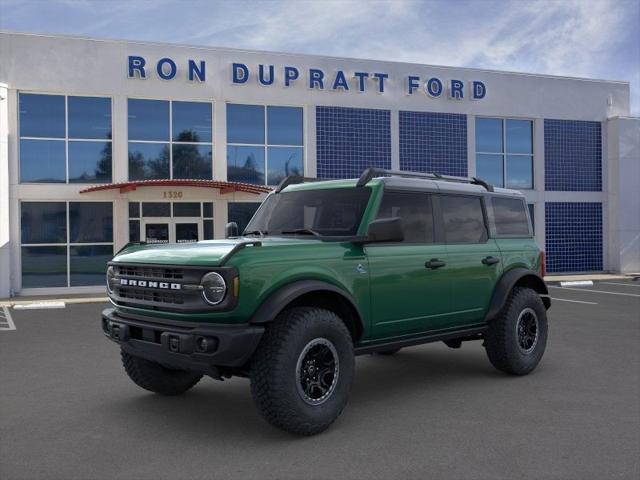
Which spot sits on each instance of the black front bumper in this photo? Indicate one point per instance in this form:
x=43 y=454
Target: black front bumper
x=185 y=345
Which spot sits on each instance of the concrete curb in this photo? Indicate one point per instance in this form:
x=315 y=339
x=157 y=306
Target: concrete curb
x=68 y=301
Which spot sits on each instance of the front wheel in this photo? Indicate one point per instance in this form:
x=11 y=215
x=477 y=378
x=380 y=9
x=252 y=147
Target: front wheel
x=516 y=339
x=302 y=371
x=156 y=378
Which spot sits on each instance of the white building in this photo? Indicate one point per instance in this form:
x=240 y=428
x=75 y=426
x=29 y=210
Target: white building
x=103 y=142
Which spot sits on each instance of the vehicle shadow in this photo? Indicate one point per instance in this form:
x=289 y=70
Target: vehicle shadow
x=223 y=412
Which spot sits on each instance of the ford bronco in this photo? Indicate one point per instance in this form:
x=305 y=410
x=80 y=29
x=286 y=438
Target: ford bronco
x=325 y=271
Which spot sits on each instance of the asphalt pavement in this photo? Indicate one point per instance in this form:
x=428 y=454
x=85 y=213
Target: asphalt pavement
x=68 y=411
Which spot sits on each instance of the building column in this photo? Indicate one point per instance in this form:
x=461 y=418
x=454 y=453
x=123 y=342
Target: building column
x=5 y=243
x=623 y=194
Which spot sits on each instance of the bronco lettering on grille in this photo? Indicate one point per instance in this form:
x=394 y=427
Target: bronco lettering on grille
x=148 y=284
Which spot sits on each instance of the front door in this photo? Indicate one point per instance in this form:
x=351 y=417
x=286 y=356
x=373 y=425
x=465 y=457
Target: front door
x=410 y=287
x=187 y=230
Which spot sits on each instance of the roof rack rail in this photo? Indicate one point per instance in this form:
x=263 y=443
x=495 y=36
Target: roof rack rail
x=292 y=180
x=371 y=173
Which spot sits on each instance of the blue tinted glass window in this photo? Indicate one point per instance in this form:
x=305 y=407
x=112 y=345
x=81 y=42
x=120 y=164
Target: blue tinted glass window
x=89 y=162
x=245 y=164
x=44 y=267
x=89 y=117
x=192 y=161
x=489 y=135
x=42 y=161
x=207 y=233
x=43 y=222
x=90 y=222
x=88 y=264
x=519 y=136
x=186 y=209
x=284 y=161
x=134 y=230
x=284 y=126
x=519 y=171
x=241 y=213
x=207 y=210
x=148 y=120
x=245 y=124
x=148 y=161
x=489 y=168
x=156 y=209
x=191 y=122
x=41 y=115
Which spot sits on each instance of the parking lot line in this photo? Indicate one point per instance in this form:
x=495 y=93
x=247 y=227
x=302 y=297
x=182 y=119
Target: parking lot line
x=573 y=301
x=622 y=284
x=6 y=322
x=596 y=291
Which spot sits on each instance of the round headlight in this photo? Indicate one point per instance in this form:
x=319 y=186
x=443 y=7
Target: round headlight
x=111 y=276
x=214 y=288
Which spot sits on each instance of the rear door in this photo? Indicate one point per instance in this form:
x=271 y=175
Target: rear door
x=474 y=260
x=407 y=296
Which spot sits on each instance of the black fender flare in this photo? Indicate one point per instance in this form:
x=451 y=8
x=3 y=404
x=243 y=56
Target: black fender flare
x=506 y=283
x=282 y=297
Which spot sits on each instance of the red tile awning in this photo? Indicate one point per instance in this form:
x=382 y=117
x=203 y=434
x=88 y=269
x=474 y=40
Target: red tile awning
x=224 y=187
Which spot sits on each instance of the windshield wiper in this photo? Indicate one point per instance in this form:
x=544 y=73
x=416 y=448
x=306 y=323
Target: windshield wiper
x=301 y=231
x=255 y=232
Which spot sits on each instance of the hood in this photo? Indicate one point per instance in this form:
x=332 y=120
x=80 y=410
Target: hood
x=205 y=253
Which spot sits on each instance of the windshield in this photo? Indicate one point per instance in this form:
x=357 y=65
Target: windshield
x=330 y=212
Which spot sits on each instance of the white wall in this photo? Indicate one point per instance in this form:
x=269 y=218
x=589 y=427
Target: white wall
x=623 y=158
x=5 y=245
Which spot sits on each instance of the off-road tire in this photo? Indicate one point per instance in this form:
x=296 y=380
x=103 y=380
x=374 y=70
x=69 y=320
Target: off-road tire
x=274 y=370
x=502 y=341
x=158 y=379
x=391 y=351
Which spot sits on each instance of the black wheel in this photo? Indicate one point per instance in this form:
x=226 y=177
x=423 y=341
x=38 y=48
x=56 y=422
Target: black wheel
x=302 y=371
x=156 y=378
x=391 y=351
x=516 y=339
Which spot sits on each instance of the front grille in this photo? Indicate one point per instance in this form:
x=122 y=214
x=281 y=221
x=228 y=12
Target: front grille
x=157 y=287
x=148 y=295
x=160 y=273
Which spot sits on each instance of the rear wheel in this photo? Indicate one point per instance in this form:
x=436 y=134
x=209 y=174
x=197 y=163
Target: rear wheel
x=516 y=339
x=302 y=371
x=156 y=378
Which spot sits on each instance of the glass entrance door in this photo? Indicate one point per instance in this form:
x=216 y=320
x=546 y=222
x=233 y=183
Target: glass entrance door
x=187 y=230
x=171 y=230
x=156 y=231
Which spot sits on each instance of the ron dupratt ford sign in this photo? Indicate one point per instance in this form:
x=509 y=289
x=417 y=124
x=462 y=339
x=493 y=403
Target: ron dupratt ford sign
x=313 y=78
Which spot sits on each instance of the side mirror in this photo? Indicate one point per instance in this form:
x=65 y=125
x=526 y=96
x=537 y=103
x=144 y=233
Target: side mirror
x=231 y=230
x=385 y=230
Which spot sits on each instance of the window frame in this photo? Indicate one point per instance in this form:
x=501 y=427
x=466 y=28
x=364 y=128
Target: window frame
x=66 y=139
x=438 y=239
x=67 y=244
x=493 y=231
x=170 y=142
x=266 y=145
x=504 y=154
x=483 y=209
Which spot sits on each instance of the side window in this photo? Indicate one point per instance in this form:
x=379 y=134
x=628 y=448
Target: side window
x=510 y=217
x=463 y=219
x=415 y=211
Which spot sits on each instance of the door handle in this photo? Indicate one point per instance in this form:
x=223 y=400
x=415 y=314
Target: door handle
x=490 y=260
x=434 y=263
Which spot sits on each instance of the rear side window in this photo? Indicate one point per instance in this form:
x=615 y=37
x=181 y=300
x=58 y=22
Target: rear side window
x=463 y=219
x=510 y=217
x=415 y=211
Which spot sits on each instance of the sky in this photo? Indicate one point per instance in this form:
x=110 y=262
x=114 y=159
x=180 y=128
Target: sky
x=579 y=38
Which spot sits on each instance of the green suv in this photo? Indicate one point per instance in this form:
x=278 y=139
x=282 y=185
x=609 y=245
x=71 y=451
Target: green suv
x=325 y=271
